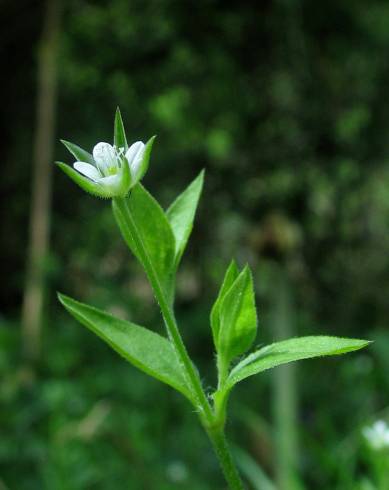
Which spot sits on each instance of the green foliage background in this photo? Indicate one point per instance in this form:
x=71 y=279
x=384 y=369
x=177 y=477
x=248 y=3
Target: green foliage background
x=284 y=104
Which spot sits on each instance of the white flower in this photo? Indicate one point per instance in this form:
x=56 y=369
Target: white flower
x=377 y=435
x=111 y=171
x=109 y=161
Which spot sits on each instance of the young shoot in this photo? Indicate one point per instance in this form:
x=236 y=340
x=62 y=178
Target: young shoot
x=157 y=239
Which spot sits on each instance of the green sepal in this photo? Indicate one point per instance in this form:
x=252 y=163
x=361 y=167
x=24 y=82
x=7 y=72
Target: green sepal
x=86 y=184
x=120 y=140
x=126 y=182
x=97 y=189
x=145 y=161
x=146 y=350
x=181 y=214
x=79 y=154
x=229 y=278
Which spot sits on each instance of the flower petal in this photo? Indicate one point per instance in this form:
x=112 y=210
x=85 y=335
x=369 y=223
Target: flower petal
x=111 y=182
x=88 y=170
x=105 y=157
x=134 y=157
x=134 y=150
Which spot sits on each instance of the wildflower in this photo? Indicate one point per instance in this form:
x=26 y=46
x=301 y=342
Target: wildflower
x=377 y=435
x=110 y=161
x=111 y=171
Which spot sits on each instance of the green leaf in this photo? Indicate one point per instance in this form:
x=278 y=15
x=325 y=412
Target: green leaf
x=79 y=154
x=143 y=348
x=120 y=140
x=229 y=278
x=155 y=232
x=182 y=212
x=85 y=183
x=238 y=318
x=292 y=350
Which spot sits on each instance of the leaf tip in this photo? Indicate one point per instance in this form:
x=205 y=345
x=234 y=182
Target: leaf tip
x=246 y=271
x=233 y=268
x=63 y=166
x=365 y=343
x=66 y=143
x=61 y=297
x=151 y=140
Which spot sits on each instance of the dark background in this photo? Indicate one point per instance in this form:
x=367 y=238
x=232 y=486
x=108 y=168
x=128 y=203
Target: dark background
x=284 y=103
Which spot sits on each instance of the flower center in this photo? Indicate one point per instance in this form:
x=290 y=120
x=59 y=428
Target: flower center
x=108 y=158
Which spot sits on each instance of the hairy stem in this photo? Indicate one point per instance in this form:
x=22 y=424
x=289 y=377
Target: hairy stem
x=219 y=442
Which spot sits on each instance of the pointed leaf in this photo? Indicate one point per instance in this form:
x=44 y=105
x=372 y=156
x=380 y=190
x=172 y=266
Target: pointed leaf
x=229 y=278
x=120 y=140
x=238 y=318
x=143 y=348
x=155 y=232
x=292 y=350
x=182 y=212
x=78 y=153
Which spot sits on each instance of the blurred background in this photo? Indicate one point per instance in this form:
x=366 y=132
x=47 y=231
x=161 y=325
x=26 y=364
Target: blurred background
x=284 y=103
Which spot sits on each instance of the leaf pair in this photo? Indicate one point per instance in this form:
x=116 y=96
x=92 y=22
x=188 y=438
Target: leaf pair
x=234 y=316
x=155 y=355
x=234 y=326
x=164 y=235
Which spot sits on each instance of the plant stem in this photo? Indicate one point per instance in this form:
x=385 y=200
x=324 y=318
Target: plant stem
x=222 y=369
x=223 y=453
x=210 y=422
x=167 y=313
